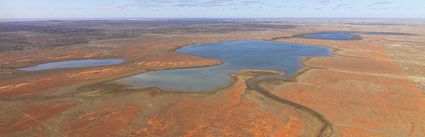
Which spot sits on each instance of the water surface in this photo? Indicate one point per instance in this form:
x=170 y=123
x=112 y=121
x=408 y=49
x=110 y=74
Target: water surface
x=346 y=35
x=331 y=36
x=236 y=55
x=74 y=64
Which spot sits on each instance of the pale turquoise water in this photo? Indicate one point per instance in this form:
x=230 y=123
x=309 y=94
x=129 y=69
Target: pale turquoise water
x=236 y=55
x=74 y=64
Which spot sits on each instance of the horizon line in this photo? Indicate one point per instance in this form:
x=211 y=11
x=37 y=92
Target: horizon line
x=176 y=18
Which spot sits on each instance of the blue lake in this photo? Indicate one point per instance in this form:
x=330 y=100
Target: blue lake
x=74 y=64
x=346 y=35
x=235 y=55
x=331 y=36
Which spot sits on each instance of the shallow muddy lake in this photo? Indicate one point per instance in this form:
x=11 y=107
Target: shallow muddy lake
x=74 y=64
x=235 y=55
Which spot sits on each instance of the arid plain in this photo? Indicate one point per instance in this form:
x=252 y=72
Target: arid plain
x=368 y=87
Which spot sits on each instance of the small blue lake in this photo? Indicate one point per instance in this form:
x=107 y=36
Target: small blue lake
x=345 y=35
x=331 y=36
x=74 y=64
x=235 y=55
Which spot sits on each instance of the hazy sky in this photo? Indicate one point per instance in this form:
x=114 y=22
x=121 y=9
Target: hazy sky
x=212 y=8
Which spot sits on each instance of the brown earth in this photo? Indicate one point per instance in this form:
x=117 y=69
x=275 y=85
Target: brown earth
x=361 y=94
x=370 y=87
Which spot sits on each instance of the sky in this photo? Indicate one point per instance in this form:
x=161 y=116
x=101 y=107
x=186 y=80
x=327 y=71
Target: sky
x=212 y=9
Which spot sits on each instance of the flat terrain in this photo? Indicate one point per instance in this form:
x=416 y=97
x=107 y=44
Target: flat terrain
x=369 y=87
